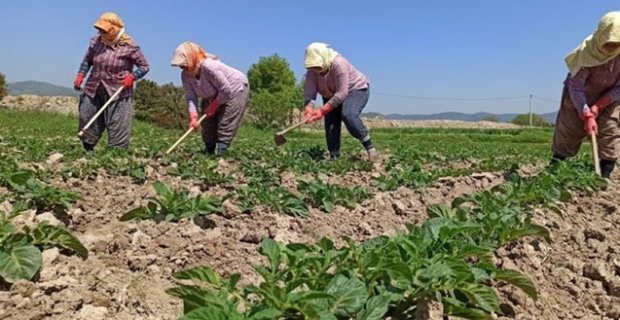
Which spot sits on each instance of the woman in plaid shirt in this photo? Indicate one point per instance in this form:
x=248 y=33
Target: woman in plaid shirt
x=591 y=96
x=225 y=92
x=112 y=55
x=345 y=92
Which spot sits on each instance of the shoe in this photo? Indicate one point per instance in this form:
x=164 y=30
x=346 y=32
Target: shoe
x=373 y=155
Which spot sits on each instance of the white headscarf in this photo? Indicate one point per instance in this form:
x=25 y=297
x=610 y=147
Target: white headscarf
x=590 y=53
x=319 y=54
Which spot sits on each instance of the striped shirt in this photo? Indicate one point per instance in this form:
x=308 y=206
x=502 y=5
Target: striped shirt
x=335 y=85
x=110 y=66
x=591 y=83
x=217 y=81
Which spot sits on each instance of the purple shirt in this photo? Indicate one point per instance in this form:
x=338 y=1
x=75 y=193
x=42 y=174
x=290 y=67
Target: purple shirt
x=591 y=83
x=217 y=81
x=341 y=78
x=110 y=66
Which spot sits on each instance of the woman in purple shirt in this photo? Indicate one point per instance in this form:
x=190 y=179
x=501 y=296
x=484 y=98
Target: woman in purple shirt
x=112 y=54
x=590 y=96
x=344 y=91
x=225 y=89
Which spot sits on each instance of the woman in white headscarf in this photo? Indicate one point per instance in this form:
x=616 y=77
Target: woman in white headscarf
x=590 y=96
x=345 y=92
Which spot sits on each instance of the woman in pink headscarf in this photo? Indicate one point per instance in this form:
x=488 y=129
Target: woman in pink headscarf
x=225 y=92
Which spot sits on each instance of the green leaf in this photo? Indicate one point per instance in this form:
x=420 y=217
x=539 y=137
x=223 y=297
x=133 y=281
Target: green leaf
x=464 y=312
x=161 y=188
x=483 y=296
x=206 y=313
x=135 y=214
x=530 y=229
x=271 y=249
x=201 y=273
x=375 y=308
x=350 y=295
x=439 y=210
x=433 y=226
x=328 y=205
x=565 y=196
x=267 y=314
x=518 y=280
x=22 y=261
x=47 y=234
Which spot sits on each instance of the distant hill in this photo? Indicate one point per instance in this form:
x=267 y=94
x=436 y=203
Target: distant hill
x=504 y=117
x=40 y=89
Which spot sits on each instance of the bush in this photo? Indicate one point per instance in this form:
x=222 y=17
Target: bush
x=491 y=118
x=524 y=120
x=161 y=105
x=4 y=90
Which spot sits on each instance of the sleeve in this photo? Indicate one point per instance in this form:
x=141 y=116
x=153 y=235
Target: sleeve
x=140 y=61
x=190 y=95
x=614 y=93
x=310 y=88
x=576 y=88
x=218 y=79
x=341 y=75
x=87 y=62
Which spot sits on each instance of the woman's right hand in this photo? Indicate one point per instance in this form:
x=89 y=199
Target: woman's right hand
x=78 y=81
x=193 y=123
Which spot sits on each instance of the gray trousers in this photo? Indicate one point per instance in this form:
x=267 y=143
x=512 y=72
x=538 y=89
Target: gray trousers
x=348 y=112
x=116 y=118
x=224 y=125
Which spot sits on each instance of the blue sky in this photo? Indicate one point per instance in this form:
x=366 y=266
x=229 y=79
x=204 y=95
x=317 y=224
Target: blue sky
x=438 y=49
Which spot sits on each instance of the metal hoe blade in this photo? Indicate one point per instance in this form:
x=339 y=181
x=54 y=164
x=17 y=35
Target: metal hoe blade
x=88 y=135
x=279 y=139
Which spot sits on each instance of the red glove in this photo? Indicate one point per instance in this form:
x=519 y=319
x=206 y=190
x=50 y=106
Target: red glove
x=320 y=113
x=193 y=123
x=598 y=107
x=78 y=81
x=589 y=122
x=212 y=108
x=308 y=111
x=128 y=82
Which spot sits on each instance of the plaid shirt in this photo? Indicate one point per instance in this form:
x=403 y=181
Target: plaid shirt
x=591 y=83
x=336 y=84
x=110 y=66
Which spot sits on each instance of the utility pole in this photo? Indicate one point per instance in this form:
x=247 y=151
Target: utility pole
x=530 y=110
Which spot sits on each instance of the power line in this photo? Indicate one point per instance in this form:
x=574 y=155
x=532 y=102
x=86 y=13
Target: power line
x=466 y=99
x=545 y=99
x=453 y=99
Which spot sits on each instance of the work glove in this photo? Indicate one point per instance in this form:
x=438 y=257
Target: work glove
x=193 y=123
x=589 y=122
x=128 y=82
x=600 y=105
x=212 y=108
x=78 y=81
x=320 y=113
x=308 y=111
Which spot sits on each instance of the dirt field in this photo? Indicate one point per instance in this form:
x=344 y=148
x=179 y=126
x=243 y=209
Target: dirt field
x=130 y=263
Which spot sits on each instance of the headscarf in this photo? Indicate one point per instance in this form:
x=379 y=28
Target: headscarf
x=114 y=29
x=590 y=52
x=190 y=55
x=320 y=55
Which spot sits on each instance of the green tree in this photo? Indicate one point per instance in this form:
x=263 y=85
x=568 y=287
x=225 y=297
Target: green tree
x=491 y=118
x=274 y=93
x=4 y=90
x=272 y=74
x=163 y=105
x=524 y=120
